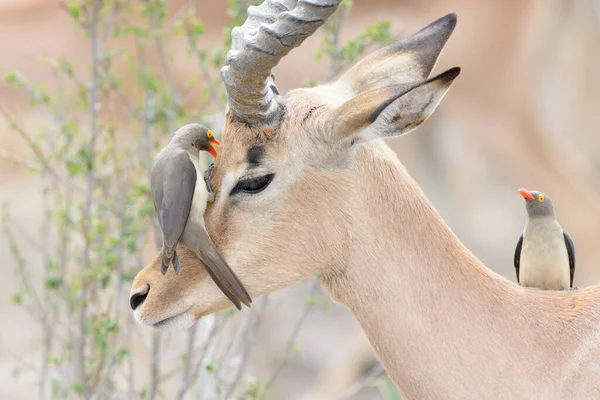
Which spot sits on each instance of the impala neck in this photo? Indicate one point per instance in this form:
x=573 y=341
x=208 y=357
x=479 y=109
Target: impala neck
x=434 y=314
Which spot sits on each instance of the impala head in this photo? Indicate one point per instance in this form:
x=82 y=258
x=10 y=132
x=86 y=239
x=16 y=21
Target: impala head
x=287 y=196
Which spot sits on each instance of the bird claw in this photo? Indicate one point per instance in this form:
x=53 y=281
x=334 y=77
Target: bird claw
x=207 y=173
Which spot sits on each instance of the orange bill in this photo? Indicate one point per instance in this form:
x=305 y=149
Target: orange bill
x=525 y=193
x=212 y=149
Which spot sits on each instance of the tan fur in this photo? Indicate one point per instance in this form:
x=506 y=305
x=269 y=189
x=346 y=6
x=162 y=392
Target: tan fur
x=443 y=325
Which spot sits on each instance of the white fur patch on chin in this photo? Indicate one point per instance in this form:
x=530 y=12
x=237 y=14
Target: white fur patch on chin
x=176 y=323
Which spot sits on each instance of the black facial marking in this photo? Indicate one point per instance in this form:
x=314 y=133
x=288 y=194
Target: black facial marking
x=255 y=155
x=310 y=112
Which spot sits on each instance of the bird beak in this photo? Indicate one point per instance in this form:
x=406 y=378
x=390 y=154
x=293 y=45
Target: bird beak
x=212 y=149
x=526 y=195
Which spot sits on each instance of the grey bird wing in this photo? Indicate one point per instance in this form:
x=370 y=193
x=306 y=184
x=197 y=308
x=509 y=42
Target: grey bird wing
x=571 y=252
x=221 y=273
x=518 y=257
x=172 y=183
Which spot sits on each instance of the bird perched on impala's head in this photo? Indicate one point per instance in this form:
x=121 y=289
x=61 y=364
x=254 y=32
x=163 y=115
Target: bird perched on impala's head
x=545 y=254
x=180 y=199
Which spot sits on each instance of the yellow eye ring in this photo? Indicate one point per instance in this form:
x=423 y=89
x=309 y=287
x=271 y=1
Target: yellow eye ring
x=541 y=198
x=209 y=134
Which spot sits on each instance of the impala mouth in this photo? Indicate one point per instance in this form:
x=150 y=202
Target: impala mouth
x=179 y=321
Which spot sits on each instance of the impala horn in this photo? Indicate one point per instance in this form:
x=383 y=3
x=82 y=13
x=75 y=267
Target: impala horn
x=270 y=32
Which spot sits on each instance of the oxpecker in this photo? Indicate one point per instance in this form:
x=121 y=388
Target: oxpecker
x=180 y=199
x=545 y=254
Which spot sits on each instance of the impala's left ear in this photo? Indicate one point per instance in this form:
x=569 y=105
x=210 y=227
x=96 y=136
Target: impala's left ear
x=390 y=111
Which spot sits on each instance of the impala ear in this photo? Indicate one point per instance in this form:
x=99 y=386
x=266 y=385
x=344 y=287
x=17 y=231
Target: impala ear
x=390 y=111
x=409 y=60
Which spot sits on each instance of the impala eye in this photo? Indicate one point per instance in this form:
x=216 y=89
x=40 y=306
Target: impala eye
x=254 y=185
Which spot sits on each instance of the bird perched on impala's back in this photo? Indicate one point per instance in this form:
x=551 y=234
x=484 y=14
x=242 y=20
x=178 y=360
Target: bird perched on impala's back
x=180 y=199
x=545 y=254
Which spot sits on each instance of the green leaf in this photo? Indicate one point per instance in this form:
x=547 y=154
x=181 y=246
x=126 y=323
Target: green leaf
x=128 y=276
x=74 y=10
x=12 y=76
x=53 y=282
x=74 y=167
x=17 y=298
x=122 y=354
x=77 y=387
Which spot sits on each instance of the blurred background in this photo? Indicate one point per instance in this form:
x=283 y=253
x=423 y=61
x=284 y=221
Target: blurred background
x=92 y=89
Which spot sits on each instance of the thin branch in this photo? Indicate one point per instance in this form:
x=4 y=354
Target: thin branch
x=184 y=7
x=366 y=381
x=212 y=83
x=337 y=21
x=36 y=150
x=21 y=162
x=112 y=13
x=246 y=348
x=187 y=364
x=80 y=362
x=290 y=343
x=26 y=280
x=46 y=234
x=160 y=49
x=206 y=352
x=154 y=366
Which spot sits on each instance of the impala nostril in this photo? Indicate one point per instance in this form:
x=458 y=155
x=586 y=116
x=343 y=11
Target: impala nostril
x=138 y=298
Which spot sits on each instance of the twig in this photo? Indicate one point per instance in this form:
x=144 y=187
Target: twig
x=184 y=7
x=160 y=49
x=48 y=333
x=185 y=376
x=213 y=83
x=112 y=13
x=25 y=280
x=154 y=366
x=206 y=352
x=334 y=59
x=118 y=270
x=363 y=382
x=36 y=150
x=7 y=155
x=246 y=347
x=290 y=343
x=80 y=363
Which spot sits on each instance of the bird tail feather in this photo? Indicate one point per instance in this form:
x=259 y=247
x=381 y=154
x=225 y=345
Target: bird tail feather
x=168 y=254
x=222 y=274
x=176 y=265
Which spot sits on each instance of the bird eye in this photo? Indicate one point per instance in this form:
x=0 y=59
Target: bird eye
x=541 y=198
x=209 y=134
x=254 y=185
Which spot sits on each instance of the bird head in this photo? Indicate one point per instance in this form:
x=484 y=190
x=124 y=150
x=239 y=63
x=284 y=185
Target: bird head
x=195 y=138
x=538 y=204
x=206 y=142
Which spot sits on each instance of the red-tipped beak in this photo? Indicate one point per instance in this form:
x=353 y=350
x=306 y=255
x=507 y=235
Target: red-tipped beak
x=526 y=195
x=212 y=149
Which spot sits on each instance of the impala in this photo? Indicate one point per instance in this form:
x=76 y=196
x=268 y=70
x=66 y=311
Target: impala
x=305 y=184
